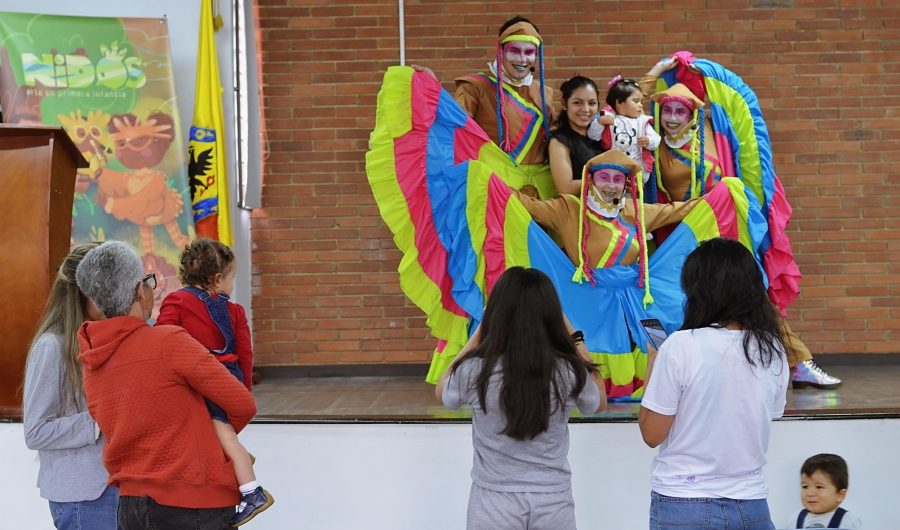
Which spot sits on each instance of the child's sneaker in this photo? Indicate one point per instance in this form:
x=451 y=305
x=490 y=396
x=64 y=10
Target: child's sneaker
x=253 y=504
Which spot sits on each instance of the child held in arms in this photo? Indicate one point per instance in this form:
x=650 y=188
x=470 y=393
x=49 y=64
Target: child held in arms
x=624 y=126
x=823 y=487
x=203 y=308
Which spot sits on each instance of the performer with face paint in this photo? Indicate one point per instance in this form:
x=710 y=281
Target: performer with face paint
x=680 y=173
x=511 y=103
x=689 y=137
x=603 y=228
x=444 y=188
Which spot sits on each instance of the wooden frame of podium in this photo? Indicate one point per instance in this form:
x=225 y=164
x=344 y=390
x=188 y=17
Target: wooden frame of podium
x=37 y=175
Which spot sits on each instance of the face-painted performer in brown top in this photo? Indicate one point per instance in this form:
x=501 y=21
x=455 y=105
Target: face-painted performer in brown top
x=517 y=118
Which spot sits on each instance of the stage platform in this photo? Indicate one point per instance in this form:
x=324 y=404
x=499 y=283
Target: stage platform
x=381 y=453
x=869 y=392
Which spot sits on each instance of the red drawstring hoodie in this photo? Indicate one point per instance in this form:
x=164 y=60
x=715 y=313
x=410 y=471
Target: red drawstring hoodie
x=145 y=388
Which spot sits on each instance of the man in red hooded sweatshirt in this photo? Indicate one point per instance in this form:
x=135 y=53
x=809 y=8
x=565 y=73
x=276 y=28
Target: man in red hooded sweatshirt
x=145 y=387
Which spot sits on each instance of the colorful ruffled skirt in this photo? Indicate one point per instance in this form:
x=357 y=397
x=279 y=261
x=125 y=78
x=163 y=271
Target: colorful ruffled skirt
x=443 y=189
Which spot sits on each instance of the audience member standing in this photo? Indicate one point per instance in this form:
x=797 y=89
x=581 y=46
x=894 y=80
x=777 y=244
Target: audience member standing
x=711 y=394
x=57 y=422
x=203 y=308
x=522 y=372
x=146 y=386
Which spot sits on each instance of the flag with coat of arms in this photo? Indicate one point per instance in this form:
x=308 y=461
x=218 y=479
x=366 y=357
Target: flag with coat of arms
x=207 y=166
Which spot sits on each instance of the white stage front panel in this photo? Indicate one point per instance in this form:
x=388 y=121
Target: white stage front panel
x=414 y=476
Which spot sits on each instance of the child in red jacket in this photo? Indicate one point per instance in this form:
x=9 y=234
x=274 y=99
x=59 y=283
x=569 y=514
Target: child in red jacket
x=202 y=308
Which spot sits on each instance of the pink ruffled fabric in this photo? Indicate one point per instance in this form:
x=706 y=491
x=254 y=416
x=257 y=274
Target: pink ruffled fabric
x=694 y=82
x=784 y=275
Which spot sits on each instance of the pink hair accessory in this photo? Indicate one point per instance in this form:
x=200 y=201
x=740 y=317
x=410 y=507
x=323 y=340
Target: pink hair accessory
x=614 y=80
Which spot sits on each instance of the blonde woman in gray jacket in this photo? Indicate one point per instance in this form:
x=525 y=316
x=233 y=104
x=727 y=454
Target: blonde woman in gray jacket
x=57 y=423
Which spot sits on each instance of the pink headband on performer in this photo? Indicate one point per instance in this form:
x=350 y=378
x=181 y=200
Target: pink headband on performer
x=614 y=80
x=687 y=103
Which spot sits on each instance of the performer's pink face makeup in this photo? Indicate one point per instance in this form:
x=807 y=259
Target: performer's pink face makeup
x=674 y=116
x=518 y=59
x=610 y=184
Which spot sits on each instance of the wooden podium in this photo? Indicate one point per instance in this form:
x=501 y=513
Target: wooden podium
x=37 y=179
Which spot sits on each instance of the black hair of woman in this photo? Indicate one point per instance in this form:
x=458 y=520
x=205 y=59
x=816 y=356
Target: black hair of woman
x=620 y=90
x=723 y=285
x=567 y=89
x=524 y=327
x=515 y=20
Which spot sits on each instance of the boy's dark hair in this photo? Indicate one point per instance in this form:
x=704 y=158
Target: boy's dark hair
x=620 y=91
x=832 y=465
x=524 y=325
x=202 y=260
x=515 y=20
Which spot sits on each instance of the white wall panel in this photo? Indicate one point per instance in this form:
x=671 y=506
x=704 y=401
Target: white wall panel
x=399 y=477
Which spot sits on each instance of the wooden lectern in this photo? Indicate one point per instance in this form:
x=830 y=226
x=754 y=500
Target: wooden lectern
x=37 y=187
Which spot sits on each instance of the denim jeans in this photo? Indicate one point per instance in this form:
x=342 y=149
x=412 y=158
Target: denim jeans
x=98 y=514
x=143 y=513
x=215 y=411
x=674 y=513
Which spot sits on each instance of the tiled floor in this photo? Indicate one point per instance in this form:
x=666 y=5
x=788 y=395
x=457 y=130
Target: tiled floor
x=868 y=391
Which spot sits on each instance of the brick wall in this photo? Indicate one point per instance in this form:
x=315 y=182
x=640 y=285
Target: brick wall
x=325 y=286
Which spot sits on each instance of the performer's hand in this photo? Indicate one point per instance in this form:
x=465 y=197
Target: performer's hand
x=425 y=69
x=663 y=66
x=694 y=69
x=606 y=119
x=643 y=141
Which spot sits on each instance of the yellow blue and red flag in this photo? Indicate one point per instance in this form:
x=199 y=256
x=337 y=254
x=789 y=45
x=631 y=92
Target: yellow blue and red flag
x=208 y=165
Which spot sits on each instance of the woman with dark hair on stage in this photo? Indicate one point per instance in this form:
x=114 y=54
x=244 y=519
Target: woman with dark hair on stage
x=57 y=423
x=711 y=394
x=570 y=148
x=522 y=372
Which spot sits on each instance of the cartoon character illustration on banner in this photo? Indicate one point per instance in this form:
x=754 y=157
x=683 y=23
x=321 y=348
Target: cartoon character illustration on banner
x=91 y=137
x=110 y=83
x=142 y=195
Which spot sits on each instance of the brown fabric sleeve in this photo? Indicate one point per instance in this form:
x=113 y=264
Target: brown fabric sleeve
x=467 y=96
x=551 y=213
x=657 y=215
x=648 y=85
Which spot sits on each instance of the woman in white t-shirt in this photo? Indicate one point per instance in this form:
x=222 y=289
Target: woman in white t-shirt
x=711 y=394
